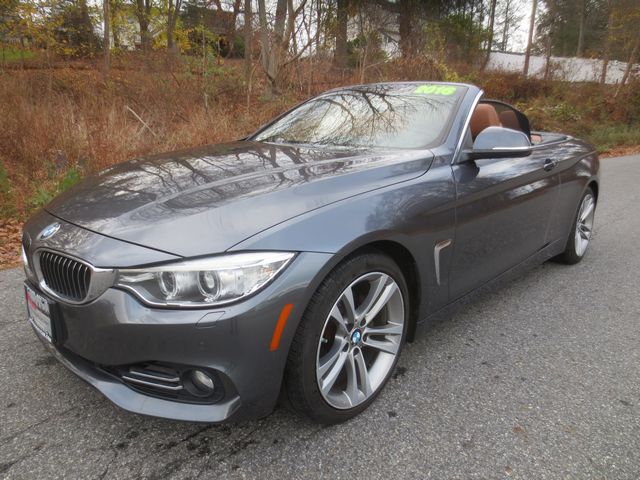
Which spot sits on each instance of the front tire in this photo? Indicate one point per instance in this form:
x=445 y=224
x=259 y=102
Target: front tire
x=349 y=340
x=582 y=230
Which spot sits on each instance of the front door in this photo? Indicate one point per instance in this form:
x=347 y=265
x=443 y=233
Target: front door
x=502 y=213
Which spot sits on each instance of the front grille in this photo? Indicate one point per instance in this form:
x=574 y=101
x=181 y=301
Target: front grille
x=65 y=276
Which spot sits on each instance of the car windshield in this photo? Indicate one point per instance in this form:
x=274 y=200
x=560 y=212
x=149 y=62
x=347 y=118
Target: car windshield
x=407 y=116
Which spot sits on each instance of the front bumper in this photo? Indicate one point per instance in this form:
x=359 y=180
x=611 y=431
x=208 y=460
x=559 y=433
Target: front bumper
x=235 y=341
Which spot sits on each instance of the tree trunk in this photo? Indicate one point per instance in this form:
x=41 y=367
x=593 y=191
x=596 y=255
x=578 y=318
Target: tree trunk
x=505 y=29
x=86 y=27
x=113 y=13
x=231 y=32
x=342 y=16
x=532 y=24
x=633 y=56
x=171 y=41
x=172 y=20
x=583 y=19
x=281 y=17
x=106 y=39
x=405 y=28
x=318 y=27
x=143 y=9
x=607 y=45
x=248 y=37
x=266 y=51
x=547 y=61
x=551 y=6
x=492 y=18
x=274 y=53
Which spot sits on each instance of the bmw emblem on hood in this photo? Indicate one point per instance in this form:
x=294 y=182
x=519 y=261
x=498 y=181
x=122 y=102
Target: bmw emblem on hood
x=49 y=231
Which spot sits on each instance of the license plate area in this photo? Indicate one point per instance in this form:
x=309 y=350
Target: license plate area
x=39 y=312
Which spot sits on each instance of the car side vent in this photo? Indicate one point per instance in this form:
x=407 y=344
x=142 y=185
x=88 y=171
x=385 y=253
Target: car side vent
x=65 y=276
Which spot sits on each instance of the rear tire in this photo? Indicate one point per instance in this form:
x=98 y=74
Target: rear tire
x=349 y=339
x=582 y=230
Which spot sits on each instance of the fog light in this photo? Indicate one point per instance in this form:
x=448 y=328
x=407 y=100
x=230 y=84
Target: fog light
x=202 y=381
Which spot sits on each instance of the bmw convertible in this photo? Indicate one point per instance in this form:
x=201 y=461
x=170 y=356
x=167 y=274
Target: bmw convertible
x=292 y=265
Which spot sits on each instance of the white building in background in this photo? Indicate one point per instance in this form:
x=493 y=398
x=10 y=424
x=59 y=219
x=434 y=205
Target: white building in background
x=568 y=69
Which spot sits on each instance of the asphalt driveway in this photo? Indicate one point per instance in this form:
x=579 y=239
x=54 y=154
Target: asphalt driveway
x=540 y=379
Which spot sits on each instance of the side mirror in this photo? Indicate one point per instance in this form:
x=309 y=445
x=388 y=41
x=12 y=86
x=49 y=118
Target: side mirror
x=499 y=142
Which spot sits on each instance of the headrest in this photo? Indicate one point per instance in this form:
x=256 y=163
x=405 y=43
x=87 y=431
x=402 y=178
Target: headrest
x=509 y=119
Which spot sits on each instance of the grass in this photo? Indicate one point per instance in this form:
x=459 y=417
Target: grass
x=15 y=55
x=608 y=137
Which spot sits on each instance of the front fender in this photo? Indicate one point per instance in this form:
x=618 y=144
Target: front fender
x=415 y=214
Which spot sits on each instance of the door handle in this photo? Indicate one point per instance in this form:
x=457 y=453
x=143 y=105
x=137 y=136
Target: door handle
x=549 y=164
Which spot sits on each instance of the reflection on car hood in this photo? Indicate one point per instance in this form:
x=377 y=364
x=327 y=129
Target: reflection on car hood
x=206 y=200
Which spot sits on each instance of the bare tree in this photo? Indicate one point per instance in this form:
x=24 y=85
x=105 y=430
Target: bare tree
x=508 y=16
x=248 y=39
x=115 y=7
x=275 y=43
x=551 y=25
x=581 y=27
x=505 y=30
x=106 y=37
x=492 y=19
x=143 y=12
x=173 y=12
x=404 y=28
x=342 y=16
x=532 y=25
x=231 y=29
x=269 y=55
x=607 y=43
x=628 y=36
x=633 y=58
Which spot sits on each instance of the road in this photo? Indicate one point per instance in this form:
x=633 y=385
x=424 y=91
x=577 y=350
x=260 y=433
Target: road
x=537 y=380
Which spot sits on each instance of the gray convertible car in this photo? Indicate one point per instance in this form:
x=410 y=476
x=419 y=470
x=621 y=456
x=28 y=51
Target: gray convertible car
x=206 y=284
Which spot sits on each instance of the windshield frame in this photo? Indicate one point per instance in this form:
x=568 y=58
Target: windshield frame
x=439 y=140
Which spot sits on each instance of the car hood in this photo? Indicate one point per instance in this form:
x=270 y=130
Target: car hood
x=206 y=200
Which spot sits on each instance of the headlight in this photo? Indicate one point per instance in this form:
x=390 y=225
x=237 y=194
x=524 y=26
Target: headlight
x=204 y=282
x=25 y=263
x=25 y=259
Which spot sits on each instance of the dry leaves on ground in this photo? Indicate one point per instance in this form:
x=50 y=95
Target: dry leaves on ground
x=621 y=151
x=10 y=235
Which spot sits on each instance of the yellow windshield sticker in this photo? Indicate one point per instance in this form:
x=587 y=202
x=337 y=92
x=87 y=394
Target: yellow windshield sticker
x=436 y=90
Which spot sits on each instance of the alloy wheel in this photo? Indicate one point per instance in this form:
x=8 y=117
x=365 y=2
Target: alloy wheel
x=584 y=225
x=360 y=340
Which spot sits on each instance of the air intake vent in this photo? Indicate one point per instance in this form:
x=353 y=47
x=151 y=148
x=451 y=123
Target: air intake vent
x=155 y=377
x=65 y=276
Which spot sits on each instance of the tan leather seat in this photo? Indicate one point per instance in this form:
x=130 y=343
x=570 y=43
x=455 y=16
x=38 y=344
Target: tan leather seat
x=483 y=116
x=509 y=119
